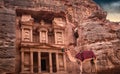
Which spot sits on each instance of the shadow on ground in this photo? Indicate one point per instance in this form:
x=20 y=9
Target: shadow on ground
x=110 y=71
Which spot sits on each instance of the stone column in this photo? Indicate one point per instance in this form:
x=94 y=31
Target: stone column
x=64 y=60
x=46 y=36
x=22 y=61
x=39 y=62
x=63 y=37
x=31 y=35
x=22 y=34
x=57 y=63
x=39 y=36
x=31 y=61
x=50 y=61
x=55 y=37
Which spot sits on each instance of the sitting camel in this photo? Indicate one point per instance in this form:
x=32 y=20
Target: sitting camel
x=83 y=57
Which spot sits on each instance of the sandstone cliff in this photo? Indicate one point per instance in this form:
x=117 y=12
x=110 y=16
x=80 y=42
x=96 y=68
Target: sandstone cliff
x=7 y=39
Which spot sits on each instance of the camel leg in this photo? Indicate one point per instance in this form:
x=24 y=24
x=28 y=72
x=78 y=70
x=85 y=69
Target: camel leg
x=93 y=65
x=96 y=65
x=81 y=68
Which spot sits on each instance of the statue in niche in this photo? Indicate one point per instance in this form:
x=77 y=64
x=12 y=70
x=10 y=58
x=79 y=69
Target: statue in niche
x=42 y=22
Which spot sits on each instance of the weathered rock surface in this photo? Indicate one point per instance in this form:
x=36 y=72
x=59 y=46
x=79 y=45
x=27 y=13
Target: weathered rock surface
x=7 y=40
x=103 y=42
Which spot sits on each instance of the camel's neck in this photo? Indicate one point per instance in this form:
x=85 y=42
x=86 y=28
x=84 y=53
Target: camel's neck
x=71 y=58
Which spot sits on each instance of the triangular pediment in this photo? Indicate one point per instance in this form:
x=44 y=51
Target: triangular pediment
x=45 y=46
x=39 y=45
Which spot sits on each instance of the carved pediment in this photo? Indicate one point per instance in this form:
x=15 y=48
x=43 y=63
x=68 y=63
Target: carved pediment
x=45 y=46
x=26 y=19
x=59 y=22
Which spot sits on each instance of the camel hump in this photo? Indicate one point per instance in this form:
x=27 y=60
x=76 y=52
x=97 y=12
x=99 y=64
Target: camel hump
x=85 y=55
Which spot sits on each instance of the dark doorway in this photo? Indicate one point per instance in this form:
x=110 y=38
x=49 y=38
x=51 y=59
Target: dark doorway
x=54 y=62
x=35 y=62
x=43 y=65
x=45 y=62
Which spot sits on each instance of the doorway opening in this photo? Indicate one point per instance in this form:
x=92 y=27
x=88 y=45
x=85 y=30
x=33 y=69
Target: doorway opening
x=45 y=62
x=54 y=62
x=44 y=66
x=35 y=62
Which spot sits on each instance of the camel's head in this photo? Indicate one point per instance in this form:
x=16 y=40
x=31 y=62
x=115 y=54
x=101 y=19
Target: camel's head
x=68 y=47
x=66 y=50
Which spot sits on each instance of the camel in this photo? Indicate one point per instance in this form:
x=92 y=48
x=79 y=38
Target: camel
x=79 y=59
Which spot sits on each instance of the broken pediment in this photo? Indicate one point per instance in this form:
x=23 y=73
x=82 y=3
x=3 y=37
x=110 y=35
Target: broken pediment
x=59 y=22
x=26 y=18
